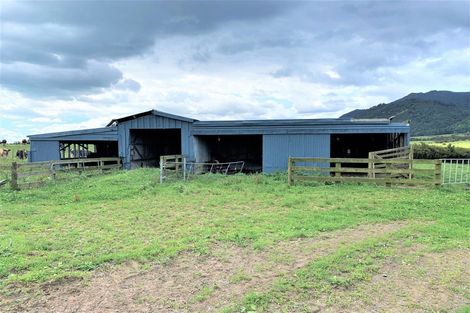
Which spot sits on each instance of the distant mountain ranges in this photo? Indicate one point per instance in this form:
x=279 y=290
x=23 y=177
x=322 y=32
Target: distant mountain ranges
x=430 y=113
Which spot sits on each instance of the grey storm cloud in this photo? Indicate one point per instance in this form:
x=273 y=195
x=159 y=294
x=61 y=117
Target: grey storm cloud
x=52 y=48
x=62 y=47
x=43 y=80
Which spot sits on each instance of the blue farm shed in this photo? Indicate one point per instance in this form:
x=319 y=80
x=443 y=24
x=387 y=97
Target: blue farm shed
x=264 y=145
x=101 y=142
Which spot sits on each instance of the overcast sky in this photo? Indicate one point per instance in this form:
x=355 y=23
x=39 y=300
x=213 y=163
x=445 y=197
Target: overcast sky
x=68 y=65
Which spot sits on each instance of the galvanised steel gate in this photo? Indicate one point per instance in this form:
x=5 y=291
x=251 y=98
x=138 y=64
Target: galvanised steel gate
x=455 y=171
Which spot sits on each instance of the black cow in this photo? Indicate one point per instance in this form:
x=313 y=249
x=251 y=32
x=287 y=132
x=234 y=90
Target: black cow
x=22 y=154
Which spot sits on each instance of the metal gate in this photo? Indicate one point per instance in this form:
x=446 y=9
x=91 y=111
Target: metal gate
x=455 y=171
x=176 y=166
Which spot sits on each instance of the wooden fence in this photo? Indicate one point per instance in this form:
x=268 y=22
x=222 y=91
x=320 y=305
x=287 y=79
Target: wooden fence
x=28 y=175
x=395 y=172
x=394 y=153
x=172 y=165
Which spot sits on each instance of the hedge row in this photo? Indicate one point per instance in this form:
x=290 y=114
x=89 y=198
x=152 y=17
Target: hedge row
x=425 y=151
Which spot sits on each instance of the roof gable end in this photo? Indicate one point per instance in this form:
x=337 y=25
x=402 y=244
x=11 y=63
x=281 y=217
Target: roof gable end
x=151 y=112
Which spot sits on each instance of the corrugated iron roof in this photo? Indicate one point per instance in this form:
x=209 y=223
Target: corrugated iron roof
x=151 y=112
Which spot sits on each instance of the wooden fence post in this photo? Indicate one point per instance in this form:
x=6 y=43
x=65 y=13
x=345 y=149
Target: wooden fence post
x=14 y=176
x=437 y=173
x=289 y=171
x=51 y=170
x=337 y=172
x=388 y=167
x=177 y=166
x=162 y=168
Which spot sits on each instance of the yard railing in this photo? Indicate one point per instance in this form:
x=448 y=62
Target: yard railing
x=171 y=165
x=455 y=171
x=387 y=154
x=395 y=171
x=177 y=166
x=28 y=175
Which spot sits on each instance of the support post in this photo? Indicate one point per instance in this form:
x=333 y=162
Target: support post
x=338 y=171
x=437 y=173
x=51 y=170
x=388 y=175
x=411 y=157
x=289 y=171
x=161 y=170
x=14 y=176
x=177 y=165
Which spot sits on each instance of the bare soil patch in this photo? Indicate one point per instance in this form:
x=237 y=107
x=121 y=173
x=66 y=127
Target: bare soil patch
x=411 y=281
x=189 y=283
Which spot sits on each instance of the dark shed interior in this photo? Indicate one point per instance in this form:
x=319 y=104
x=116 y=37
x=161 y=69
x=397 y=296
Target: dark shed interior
x=359 y=145
x=147 y=145
x=231 y=148
x=87 y=149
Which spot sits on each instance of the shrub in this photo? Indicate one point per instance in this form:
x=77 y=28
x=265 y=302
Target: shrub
x=425 y=151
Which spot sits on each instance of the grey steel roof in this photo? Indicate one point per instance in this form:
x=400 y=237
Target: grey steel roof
x=295 y=122
x=151 y=112
x=338 y=125
x=103 y=133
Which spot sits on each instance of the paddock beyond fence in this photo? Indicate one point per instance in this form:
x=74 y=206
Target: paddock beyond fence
x=29 y=175
x=392 y=171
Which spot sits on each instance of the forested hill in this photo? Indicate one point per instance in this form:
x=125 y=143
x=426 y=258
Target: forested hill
x=430 y=113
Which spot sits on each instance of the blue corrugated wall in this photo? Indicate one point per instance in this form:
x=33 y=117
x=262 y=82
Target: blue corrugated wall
x=278 y=148
x=44 y=151
x=155 y=122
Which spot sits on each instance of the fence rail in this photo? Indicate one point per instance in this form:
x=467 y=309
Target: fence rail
x=395 y=171
x=400 y=153
x=27 y=175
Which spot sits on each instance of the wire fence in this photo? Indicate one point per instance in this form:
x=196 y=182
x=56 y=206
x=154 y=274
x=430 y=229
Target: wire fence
x=455 y=171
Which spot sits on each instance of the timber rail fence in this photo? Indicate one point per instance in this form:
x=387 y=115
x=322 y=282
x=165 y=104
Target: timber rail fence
x=394 y=153
x=395 y=172
x=28 y=175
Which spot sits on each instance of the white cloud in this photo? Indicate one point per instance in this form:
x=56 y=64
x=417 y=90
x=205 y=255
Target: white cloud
x=45 y=120
x=209 y=63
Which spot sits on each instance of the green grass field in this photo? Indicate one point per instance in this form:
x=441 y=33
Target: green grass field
x=72 y=229
x=457 y=140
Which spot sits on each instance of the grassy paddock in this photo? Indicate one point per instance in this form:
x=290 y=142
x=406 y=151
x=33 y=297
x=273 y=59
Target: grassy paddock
x=69 y=228
x=458 y=143
x=12 y=155
x=461 y=140
x=5 y=162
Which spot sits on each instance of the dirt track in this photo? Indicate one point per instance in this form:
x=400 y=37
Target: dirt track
x=189 y=283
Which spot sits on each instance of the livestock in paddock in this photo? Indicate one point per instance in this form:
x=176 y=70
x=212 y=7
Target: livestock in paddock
x=22 y=154
x=79 y=154
x=4 y=152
